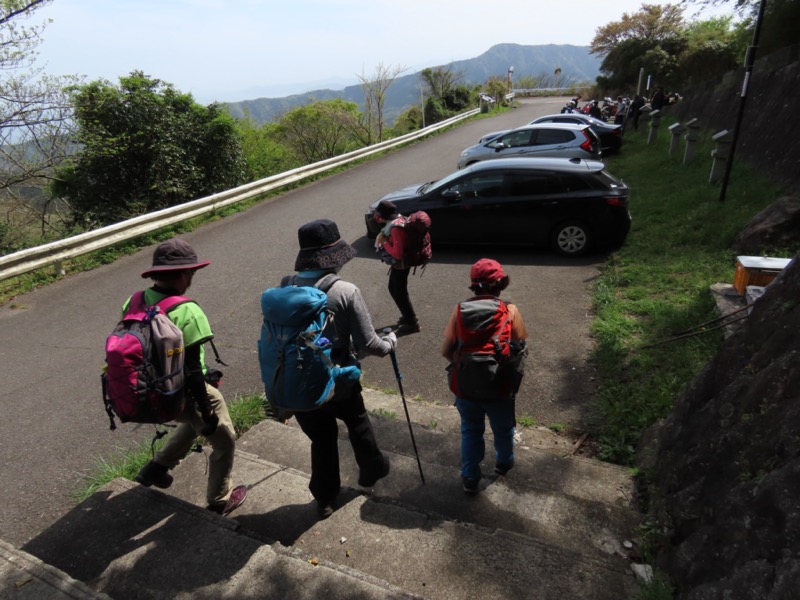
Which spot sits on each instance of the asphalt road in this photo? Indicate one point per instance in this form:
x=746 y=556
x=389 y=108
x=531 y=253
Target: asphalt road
x=54 y=426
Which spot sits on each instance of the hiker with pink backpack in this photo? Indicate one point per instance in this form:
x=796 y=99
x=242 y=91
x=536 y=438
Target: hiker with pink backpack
x=155 y=373
x=404 y=244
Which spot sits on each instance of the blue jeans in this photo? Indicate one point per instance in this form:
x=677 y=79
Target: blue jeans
x=473 y=425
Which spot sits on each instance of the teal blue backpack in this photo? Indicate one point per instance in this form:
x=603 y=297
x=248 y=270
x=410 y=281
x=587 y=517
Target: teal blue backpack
x=295 y=358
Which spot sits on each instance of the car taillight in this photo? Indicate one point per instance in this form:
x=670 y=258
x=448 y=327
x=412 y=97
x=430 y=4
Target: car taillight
x=617 y=201
x=586 y=145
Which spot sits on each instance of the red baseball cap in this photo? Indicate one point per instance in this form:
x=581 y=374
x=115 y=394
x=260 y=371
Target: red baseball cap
x=487 y=269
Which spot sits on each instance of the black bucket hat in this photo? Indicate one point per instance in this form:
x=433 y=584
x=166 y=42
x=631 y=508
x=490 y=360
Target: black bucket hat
x=321 y=247
x=174 y=255
x=386 y=209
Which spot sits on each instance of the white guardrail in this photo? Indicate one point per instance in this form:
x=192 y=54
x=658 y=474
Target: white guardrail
x=55 y=253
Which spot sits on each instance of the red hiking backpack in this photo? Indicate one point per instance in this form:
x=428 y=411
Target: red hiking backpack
x=143 y=381
x=486 y=364
x=409 y=244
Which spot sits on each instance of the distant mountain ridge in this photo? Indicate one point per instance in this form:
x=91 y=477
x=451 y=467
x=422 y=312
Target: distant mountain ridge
x=575 y=62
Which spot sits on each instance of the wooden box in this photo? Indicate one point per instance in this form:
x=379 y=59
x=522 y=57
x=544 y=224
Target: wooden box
x=756 y=270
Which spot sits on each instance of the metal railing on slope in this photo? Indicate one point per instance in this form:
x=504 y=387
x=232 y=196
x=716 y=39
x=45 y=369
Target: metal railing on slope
x=55 y=253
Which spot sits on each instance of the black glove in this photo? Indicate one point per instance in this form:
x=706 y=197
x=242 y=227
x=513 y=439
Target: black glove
x=211 y=421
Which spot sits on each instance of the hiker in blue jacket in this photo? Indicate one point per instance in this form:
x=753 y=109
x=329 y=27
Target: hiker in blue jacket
x=174 y=265
x=322 y=251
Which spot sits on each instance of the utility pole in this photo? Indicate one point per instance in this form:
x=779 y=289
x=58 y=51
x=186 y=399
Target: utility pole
x=749 y=59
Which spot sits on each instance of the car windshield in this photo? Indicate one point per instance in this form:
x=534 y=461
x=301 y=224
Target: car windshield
x=442 y=182
x=425 y=187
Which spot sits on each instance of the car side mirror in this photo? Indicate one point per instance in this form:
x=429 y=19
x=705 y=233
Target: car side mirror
x=498 y=146
x=451 y=195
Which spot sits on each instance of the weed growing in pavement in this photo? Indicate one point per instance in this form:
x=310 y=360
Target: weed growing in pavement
x=657 y=285
x=382 y=412
x=245 y=412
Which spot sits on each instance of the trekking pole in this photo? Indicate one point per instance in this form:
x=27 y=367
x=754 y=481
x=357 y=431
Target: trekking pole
x=399 y=376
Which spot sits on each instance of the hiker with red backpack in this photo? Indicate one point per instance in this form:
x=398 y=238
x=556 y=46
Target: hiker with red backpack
x=204 y=412
x=485 y=344
x=404 y=244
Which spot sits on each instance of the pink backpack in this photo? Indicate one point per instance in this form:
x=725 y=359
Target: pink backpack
x=410 y=241
x=143 y=381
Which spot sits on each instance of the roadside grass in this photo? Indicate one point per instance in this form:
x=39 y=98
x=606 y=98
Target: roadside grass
x=245 y=411
x=657 y=285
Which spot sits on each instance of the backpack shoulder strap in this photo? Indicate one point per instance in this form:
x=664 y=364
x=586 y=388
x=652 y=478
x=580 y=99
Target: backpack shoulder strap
x=288 y=280
x=170 y=302
x=326 y=283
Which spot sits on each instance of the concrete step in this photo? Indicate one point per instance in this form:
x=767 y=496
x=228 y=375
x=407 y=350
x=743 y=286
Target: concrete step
x=411 y=548
x=135 y=543
x=562 y=501
x=25 y=577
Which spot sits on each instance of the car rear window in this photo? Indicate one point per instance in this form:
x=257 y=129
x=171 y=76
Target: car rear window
x=534 y=183
x=552 y=136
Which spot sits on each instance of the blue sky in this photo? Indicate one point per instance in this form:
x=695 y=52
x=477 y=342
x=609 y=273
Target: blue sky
x=235 y=50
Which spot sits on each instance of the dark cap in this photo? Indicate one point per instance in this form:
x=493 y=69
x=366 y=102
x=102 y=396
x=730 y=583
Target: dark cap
x=386 y=209
x=321 y=247
x=174 y=255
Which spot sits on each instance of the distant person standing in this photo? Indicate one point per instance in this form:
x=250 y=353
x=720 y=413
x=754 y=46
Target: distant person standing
x=659 y=99
x=636 y=110
x=485 y=344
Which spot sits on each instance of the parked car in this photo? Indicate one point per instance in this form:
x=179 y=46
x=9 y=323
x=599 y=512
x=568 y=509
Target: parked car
x=570 y=205
x=610 y=135
x=555 y=139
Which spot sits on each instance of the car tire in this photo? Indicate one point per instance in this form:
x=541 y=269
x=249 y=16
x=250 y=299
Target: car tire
x=571 y=238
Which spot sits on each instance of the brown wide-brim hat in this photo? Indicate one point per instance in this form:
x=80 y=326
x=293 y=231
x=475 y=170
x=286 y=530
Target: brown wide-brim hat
x=174 y=255
x=321 y=247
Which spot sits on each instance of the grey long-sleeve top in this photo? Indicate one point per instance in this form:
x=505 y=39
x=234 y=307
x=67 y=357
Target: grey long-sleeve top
x=351 y=325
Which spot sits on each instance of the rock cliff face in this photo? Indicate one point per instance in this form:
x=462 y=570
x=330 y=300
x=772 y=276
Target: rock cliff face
x=727 y=461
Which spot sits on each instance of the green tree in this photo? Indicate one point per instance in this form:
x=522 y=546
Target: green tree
x=264 y=153
x=779 y=28
x=145 y=146
x=321 y=130
x=34 y=125
x=713 y=46
x=650 y=39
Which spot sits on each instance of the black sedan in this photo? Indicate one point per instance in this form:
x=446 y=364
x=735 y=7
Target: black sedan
x=570 y=205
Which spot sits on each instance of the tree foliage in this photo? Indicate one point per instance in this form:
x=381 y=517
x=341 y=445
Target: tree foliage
x=321 y=130
x=145 y=146
x=34 y=125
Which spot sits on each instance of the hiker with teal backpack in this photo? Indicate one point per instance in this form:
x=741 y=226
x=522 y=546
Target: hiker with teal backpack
x=201 y=408
x=315 y=328
x=485 y=344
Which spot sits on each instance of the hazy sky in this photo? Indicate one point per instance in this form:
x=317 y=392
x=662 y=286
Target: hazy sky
x=235 y=50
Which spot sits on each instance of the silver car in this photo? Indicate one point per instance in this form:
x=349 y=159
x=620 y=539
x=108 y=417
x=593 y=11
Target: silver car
x=552 y=139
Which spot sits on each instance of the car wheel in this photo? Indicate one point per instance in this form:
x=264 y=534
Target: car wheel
x=572 y=238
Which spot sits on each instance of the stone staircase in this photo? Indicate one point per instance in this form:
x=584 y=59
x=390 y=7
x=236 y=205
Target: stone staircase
x=553 y=528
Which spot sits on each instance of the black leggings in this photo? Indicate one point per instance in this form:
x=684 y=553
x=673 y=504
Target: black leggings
x=398 y=290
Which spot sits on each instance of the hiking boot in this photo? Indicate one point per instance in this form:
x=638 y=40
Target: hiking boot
x=154 y=474
x=470 y=484
x=503 y=468
x=405 y=326
x=235 y=500
x=369 y=480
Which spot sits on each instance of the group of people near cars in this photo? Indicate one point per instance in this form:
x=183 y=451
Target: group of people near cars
x=322 y=251
x=622 y=108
